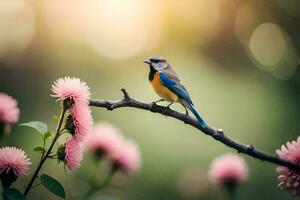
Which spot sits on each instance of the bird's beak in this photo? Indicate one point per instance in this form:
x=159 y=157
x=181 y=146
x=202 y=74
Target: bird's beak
x=147 y=61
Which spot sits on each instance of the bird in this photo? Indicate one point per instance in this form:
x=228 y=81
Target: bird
x=167 y=85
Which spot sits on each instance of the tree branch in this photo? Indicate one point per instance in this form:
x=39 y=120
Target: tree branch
x=217 y=134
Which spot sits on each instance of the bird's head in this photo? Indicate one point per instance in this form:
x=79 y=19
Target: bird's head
x=157 y=62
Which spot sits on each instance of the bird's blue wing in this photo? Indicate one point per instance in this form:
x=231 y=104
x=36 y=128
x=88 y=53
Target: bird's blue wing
x=175 y=87
x=182 y=93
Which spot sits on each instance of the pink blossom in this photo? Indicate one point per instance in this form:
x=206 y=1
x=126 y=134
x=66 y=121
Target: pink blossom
x=228 y=168
x=9 y=111
x=103 y=138
x=82 y=121
x=289 y=179
x=109 y=141
x=14 y=160
x=126 y=156
x=71 y=88
x=73 y=154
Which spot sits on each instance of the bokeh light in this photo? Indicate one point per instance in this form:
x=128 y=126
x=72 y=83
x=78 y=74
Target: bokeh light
x=17 y=25
x=267 y=45
x=124 y=27
x=271 y=50
x=114 y=28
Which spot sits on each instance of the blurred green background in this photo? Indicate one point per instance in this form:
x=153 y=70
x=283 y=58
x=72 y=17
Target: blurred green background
x=238 y=58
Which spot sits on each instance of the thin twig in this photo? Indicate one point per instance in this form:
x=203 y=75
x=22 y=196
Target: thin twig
x=39 y=167
x=217 y=134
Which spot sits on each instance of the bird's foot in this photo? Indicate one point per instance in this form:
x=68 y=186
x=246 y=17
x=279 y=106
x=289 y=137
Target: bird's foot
x=167 y=108
x=155 y=102
x=186 y=112
x=187 y=116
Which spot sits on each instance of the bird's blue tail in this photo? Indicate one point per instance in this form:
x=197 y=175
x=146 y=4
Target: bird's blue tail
x=194 y=111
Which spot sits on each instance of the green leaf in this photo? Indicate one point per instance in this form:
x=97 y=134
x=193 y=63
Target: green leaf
x=13 y=194
x=52 y=185
x=39 y=149
x=38 y=126
x=47 y=135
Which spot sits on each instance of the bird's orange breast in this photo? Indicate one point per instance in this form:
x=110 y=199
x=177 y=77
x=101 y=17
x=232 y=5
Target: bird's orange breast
x=161 y=90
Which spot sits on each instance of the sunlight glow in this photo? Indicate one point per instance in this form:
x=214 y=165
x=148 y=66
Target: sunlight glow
x=16 y=27
x=114 y=28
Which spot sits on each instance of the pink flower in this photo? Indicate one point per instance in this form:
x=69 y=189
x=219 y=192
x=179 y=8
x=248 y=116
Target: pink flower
x=104 y=138
x=81 y=121
x=14 y=160
x=73 y=154
x=289 y=179
x=9 y=111
x=126 y=156
x=71 y=88
x=228 y=168
x=107 y=140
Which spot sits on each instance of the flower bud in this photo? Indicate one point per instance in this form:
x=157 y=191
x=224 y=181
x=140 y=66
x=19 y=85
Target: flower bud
x=69 y=125
x=67 y=103
x=7 y=178
x=61 y=152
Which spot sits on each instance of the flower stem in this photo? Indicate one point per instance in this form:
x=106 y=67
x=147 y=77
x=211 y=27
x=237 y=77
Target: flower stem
x=58 y=129
x=97 y=187
x=44 y=144
x=231 y=193
x=94 y=179
x=108 y=178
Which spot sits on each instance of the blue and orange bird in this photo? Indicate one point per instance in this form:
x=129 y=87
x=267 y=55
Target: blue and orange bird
x=166 y=84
